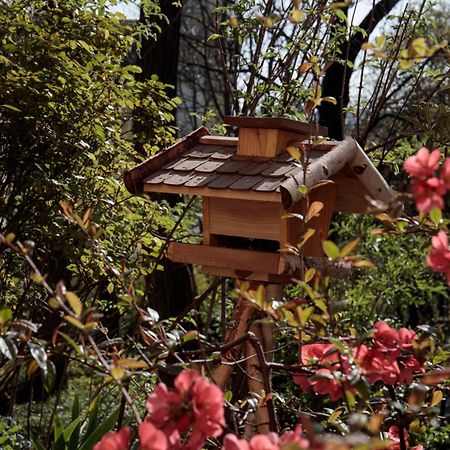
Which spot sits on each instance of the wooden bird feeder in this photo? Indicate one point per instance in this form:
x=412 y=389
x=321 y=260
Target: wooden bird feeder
x=251 y=196
x=251 y=188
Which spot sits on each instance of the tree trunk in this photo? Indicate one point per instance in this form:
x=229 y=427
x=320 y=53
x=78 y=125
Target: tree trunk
x=336 y=82
x=160 y=57
x=172 y=290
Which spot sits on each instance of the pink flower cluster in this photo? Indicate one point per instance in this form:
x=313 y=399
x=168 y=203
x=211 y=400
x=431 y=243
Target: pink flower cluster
x=328 y=379
x=194 y=404
x=390 y=359
x=428 y=187
x=428 y=190
x=270 y=441
x=394 y=435
x=439 y=257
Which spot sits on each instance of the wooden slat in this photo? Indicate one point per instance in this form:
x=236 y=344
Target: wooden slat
x=219 y=140
x=292 y=227
x=265 y=143
x=351 y=195
x=206 y=222
x=247 y=275
x=244 y=218
x=204 y=255
x=277 y=123
x=218 y=193
x=134 y=178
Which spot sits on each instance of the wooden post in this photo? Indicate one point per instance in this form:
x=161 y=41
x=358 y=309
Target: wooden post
x=261 y=421
x=239 y=325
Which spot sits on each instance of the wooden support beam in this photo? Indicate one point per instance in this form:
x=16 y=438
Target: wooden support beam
x=204 y=255
x=219 y=193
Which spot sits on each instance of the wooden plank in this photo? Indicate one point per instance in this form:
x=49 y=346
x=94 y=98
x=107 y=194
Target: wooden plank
x=245 y=218
x=204 y=255
x=292 y=228
x=247 y=275
x=278 y=123
x=266 y=143
x=219 y=140
x=351 y=195
x=206 y=221
x=217 y=193
x=321 y=223
x=134 y=178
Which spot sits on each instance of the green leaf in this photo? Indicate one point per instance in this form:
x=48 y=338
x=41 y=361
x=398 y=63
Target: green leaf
x=39 y=355
x=5 y=315
x=349 y=247
x=92 y=419
x=74 y=345
x=100 y=431
x=338 y=344
x=331 y=249
x=38 y=445
x=304 y=314
x=68 y=431
x=350 y=399
x=57 y=428
x=49 y=376
x=74 y=303
x=436 y=216
x=11 y=107
x=7 y=347
x=75 y=436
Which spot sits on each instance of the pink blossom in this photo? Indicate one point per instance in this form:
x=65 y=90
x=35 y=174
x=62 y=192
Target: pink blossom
x=207 y=406
x=381 y=365
x=326 y=356
x=166 y=408
x=194 y=403
x=406 y=338
x=423 y=163
x=326 y=384
x=319 y=353
x=151 y=438
x=439 y=256
x=386 y=337
x=428 y=194
x=394 y=435
x=268 y=441
x=408 y=366
x=114 y=440
x=445 y=173
x=295 y=437
x=232 y=442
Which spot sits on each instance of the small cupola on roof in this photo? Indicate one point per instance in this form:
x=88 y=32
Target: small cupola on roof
x=250 y=187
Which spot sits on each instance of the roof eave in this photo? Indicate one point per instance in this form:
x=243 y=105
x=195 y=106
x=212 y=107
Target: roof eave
x=134 y=178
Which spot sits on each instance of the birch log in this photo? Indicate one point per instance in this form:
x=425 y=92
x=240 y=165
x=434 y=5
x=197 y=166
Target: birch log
x=364 y=169
x=321 y=169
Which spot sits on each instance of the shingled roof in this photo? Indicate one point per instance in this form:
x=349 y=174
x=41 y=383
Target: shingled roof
x=207 y=165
